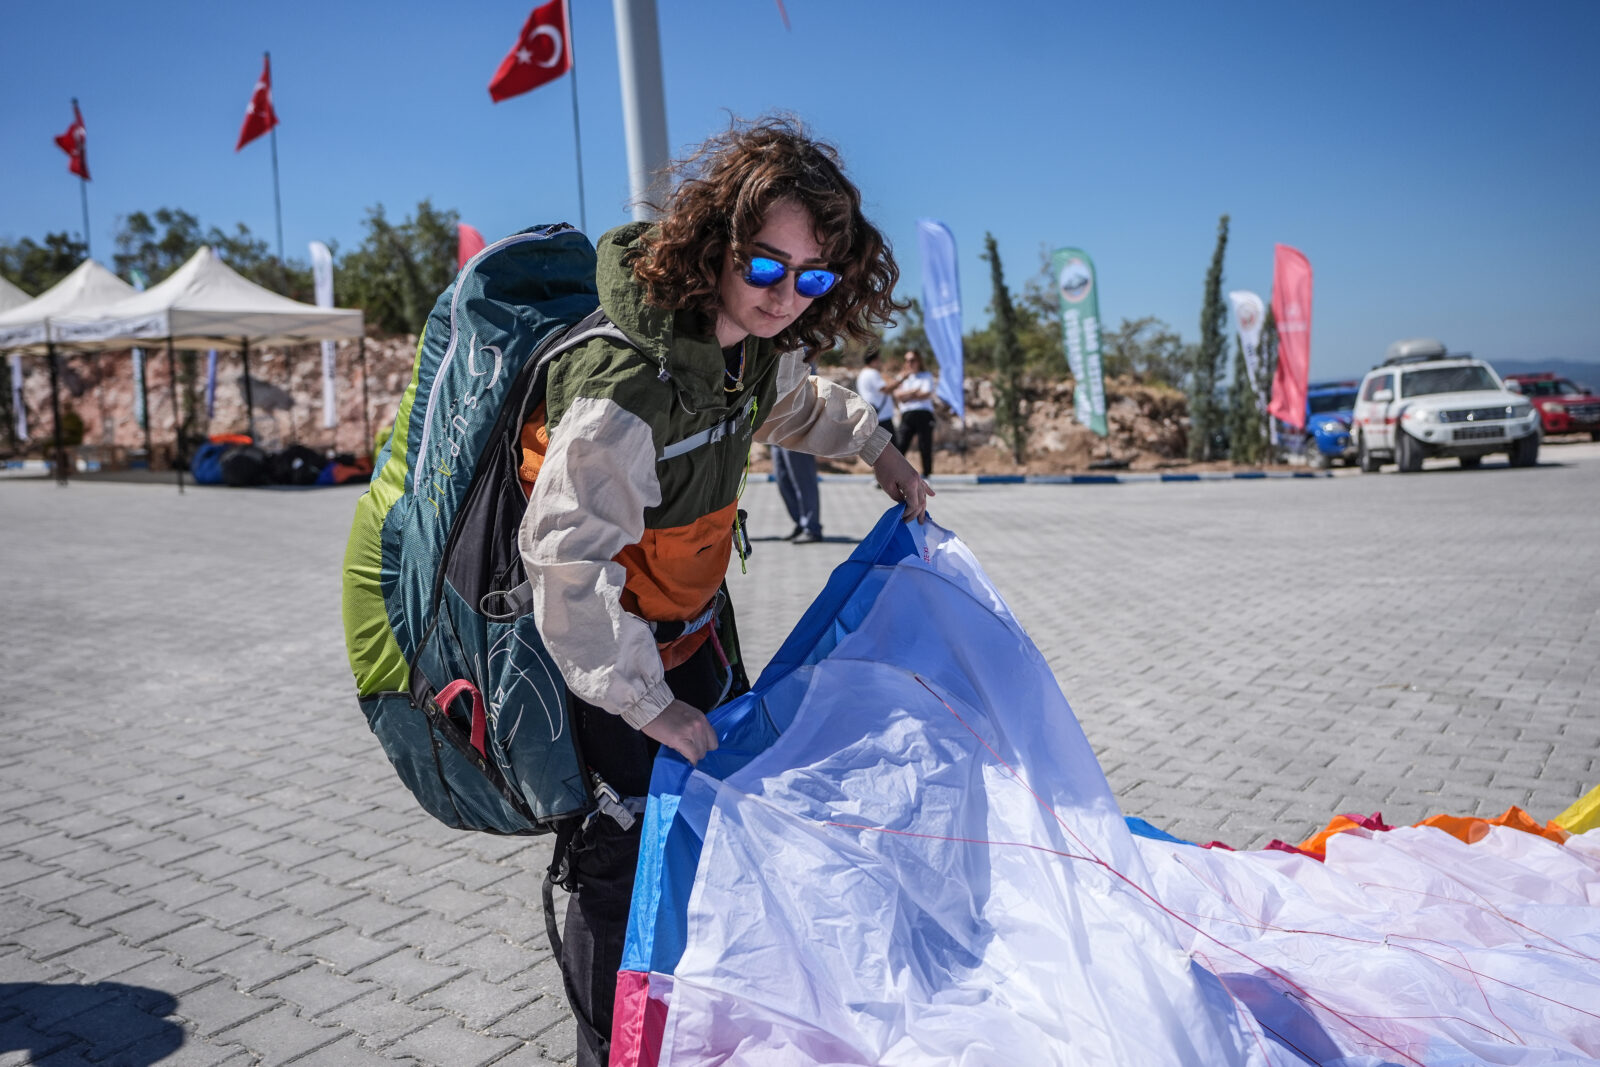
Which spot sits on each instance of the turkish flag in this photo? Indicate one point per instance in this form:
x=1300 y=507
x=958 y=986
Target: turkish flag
x=543 y=53
x=1291 y=306
x=259 y=116
x=72 y=143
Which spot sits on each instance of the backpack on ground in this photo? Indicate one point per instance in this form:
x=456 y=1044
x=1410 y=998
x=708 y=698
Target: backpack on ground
x=450 y=670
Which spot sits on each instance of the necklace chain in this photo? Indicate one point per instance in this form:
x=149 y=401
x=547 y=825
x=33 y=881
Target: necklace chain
x=735 y=382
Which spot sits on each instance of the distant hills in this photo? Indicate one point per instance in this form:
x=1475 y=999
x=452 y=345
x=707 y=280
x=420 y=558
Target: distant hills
x=1584 y=373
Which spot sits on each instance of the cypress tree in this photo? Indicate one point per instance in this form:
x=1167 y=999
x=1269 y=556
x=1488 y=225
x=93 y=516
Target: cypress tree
x=1267 y=364
x=1007 y=358
x=1205 y=417
x=1244 y=417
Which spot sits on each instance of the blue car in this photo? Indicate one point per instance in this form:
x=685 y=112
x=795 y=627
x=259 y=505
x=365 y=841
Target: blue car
x=1328 y=413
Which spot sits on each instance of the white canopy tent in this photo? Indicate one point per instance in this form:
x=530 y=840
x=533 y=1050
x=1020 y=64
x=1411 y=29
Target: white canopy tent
x=31 y=326
x=85 y=292
x=11 y=296
x=207 y=302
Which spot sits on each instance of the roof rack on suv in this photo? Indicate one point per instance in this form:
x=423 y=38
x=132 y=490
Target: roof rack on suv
x=1416 y=350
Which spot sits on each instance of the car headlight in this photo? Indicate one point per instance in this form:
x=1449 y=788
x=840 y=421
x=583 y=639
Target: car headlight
x=1555 y=407
x=1330 y=426
x=1424 y=415
x=1520 y=410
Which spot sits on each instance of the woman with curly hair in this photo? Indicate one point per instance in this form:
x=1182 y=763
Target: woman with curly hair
x=635 y=463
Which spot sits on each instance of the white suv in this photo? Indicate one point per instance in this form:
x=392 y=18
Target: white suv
x=1423 y=402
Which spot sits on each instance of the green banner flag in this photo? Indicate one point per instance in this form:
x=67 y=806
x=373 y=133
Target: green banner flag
x=1080 y=334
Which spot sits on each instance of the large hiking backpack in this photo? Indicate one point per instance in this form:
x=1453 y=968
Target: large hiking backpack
x=451 y=673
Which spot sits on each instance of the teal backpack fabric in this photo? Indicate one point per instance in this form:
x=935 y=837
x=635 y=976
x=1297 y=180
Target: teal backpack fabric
x=450 y=671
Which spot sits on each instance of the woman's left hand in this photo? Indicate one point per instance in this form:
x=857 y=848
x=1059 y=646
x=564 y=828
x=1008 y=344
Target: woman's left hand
x=900 y=480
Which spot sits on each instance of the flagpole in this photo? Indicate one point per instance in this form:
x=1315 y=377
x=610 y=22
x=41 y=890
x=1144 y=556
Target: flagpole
x=83 y=192
x=277 y=201
x=577 y=137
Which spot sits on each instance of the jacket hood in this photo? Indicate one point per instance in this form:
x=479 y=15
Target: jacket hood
x=665 y=337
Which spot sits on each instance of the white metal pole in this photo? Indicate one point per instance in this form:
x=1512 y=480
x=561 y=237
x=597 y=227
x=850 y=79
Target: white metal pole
x=644 y=108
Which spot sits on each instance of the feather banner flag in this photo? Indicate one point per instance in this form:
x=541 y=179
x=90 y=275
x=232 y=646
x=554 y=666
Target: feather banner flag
x=18 y=408
x=542 y=54
x=1249 y=312
x=1080 y=334
x=941 y=310
x=322 y=276
x=259 y=117
x=469 y=242
x=1291 y=307
x=140 y=388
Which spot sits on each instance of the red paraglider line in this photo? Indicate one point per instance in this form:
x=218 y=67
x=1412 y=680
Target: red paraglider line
x=1146 y=893
x=1487 y=908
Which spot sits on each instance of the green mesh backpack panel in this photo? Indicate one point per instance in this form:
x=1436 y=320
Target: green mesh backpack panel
x=450 y=671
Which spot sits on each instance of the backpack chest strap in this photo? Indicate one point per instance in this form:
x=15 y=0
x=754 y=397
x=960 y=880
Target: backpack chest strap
x=728 y=427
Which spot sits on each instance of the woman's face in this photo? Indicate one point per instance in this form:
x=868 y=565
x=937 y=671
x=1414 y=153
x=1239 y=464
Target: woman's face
x=787 y=236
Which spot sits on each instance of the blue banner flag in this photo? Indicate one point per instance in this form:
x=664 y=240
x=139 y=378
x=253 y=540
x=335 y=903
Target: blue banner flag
x=211 y=383
x=941 y=310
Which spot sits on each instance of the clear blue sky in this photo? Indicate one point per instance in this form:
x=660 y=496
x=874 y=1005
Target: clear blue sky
x=1438 y=162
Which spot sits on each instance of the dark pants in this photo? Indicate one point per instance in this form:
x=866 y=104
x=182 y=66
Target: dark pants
x=796 y=473
x=605 y=855
x=919 y=425
x=888 y=424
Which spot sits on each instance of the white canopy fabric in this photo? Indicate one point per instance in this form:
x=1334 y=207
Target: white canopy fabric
x=85 y=292
x=11 y=296
x=205 y=300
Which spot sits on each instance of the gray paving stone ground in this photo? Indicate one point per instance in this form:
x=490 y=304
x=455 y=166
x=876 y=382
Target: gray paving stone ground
x=204 y=858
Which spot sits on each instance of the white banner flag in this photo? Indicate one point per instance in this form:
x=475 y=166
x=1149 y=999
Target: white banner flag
x=140 y=389
x=17 y=407
x=322 y=274
x=1249 y=312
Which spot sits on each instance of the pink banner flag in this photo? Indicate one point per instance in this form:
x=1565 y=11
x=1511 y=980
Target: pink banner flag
x=469 y=242
x=1291 y=306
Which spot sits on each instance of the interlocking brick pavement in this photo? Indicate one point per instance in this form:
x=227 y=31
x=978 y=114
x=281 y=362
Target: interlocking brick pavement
x=204 y=858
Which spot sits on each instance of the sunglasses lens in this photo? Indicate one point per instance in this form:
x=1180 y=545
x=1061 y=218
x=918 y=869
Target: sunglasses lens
x=813 y=283
x=764 y=272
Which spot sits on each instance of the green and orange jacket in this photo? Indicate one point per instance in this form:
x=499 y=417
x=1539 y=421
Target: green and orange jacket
x=634 y=488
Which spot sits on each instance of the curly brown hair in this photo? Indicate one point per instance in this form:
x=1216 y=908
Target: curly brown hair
x=722 y=193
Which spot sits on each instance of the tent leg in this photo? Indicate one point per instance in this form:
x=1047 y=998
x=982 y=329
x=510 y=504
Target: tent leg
x=249 y=397
x=60 y=464
x=177 y=415
x=366 y=403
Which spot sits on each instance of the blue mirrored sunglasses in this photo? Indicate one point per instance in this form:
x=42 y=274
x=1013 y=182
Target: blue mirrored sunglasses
x=810 y=282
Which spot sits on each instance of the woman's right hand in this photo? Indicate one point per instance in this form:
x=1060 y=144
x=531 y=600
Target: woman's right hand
x=684 y=729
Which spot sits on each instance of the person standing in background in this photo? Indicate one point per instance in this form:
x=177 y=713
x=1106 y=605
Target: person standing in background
x=914 y=395
x=875 y=391
x=796 y=475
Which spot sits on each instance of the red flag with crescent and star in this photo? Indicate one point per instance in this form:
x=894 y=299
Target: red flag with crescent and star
x=543 y=53
x=259 y=116
x=72 y=143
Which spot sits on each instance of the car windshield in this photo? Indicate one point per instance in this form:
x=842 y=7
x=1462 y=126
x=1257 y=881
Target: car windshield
x=1550 y=387
x=1446 y=380
x=1331 y=402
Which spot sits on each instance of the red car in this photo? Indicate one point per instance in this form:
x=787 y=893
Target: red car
x=1564 y=406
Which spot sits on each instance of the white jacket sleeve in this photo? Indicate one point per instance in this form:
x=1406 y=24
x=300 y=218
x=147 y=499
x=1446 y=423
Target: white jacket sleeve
x=588 y=504
x=815 y=415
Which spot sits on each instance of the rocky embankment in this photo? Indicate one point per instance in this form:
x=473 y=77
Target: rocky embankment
x=1149 y=424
